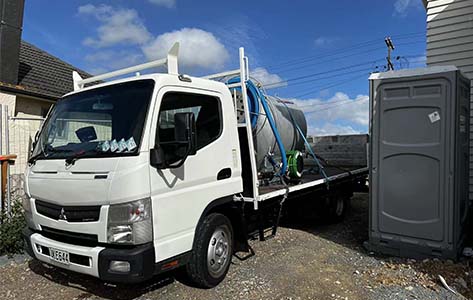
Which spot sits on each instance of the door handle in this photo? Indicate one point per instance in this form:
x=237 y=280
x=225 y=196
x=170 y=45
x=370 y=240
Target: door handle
x=224 y=174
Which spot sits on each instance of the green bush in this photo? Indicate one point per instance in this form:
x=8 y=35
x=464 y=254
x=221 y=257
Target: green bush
x=11 y=241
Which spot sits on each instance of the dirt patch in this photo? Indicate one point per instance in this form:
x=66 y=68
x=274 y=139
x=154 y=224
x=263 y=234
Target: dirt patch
x=306 y=260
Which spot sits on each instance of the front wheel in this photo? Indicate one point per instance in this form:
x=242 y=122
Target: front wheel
x=212 y=253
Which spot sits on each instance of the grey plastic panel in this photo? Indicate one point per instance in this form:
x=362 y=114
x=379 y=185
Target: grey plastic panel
x=410 y=164
x=418 y=162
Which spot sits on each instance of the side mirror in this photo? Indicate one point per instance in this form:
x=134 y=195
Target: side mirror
x=184 y=131
x=183 y=145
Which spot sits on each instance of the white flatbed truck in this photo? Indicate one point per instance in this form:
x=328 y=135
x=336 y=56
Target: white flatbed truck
x=157 y=196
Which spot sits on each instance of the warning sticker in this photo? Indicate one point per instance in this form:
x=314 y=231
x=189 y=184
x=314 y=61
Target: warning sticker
x=434 y=117
x=113 y=145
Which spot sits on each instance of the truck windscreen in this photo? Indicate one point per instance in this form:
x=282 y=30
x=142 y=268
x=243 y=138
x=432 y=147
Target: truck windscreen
x=106 y=121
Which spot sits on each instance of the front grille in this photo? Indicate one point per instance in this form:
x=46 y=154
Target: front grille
x=69 y=237
x=68 y=213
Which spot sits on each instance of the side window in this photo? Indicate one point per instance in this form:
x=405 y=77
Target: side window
x=207 y=114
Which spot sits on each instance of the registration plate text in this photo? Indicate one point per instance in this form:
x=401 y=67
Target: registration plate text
x=59 y=256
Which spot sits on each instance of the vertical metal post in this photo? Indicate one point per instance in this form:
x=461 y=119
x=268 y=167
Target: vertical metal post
x=7 y=147
x=1 y=152
x=390 y=45
x=1 y=129
x=249 y=130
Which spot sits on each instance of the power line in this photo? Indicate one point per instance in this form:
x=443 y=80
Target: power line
x=341 y=82
x=361 y=52
x=322 y=78
x=324 y=72
x=340 y=104
x=346 y=49
x=293 y=68
x=296 y=81
x=324 y=103
x=333 y=53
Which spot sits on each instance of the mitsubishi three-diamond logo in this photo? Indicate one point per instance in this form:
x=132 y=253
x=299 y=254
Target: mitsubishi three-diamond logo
x=62 y=216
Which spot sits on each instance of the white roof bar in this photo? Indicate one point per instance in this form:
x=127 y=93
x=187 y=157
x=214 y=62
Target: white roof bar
x=170 y=61
x=223 y=74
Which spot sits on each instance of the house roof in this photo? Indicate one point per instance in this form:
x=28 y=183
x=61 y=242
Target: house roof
x=42 y=74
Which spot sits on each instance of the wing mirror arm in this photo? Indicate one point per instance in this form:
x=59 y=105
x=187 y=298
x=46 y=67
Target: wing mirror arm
x=184 y=133
x=156 y=158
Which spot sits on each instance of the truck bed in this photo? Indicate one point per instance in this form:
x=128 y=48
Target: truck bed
x=311 y=180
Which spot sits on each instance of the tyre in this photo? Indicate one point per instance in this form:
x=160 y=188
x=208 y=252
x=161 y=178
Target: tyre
x=212 y=253
x=337 y=207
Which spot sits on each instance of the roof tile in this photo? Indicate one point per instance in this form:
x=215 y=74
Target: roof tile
x=44 y=74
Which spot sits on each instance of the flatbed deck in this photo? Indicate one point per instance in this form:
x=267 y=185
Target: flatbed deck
x=310 y=180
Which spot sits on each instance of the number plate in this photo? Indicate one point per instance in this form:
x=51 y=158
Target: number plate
x=59 y=256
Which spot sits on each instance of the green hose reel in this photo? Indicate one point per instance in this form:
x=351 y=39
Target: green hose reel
x=295 y=163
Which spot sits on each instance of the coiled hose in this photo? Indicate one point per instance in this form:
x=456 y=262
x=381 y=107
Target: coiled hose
x=255 y=97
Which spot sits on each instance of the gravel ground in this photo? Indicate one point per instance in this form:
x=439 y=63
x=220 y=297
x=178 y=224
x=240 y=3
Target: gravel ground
x=305 y=260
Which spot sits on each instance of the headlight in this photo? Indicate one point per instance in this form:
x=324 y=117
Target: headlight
x=130 y=223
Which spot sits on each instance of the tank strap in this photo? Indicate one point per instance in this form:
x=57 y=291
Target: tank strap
x=256 y=97
x=311 y=152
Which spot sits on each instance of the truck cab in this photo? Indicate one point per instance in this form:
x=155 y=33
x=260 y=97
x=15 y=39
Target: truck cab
x=122 y=172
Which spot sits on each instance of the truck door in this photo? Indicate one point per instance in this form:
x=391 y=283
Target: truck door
x=180 y=195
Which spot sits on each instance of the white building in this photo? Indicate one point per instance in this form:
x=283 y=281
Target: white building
x=450 y=42
x=31 y=80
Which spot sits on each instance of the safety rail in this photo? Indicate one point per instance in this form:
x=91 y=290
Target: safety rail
x=244 y=73
x=244 y=77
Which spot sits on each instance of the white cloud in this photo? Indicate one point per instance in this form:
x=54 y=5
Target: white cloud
x=338 y=115
x=267 y=79
x=323 y=41
x=339 y=108
x=118 y=26
x=198 y=48
x=331 y=129
x=401 y=7
x=165 y=3
x=108 y=60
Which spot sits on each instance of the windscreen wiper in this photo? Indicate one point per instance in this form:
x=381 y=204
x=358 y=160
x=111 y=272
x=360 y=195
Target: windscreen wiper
x=34 y=158
x=50 y=149
x=71 y=160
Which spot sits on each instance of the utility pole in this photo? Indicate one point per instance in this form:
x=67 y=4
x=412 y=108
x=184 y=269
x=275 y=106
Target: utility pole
x=389 y=44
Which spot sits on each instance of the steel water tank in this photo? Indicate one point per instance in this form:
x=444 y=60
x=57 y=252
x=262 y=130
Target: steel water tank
x=286 y=115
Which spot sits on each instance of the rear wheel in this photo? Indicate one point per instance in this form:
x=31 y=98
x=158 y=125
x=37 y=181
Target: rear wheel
x=337 y=206
x=212 y=253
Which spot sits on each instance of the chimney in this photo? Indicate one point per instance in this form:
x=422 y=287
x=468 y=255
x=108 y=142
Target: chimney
x=11 y=23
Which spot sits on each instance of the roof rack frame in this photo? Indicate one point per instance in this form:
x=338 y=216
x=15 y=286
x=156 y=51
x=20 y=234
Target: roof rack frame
x=170 y=61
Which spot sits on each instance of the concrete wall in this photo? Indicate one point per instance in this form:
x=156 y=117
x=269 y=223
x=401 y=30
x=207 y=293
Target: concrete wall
x=450 y=42
x=7 y=100
x=341 y=150
x=21 y=132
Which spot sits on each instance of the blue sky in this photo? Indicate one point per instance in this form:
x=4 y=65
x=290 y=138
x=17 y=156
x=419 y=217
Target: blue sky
x=317 y=53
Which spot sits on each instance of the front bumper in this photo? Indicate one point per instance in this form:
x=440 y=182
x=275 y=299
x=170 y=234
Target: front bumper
x=95 y=261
